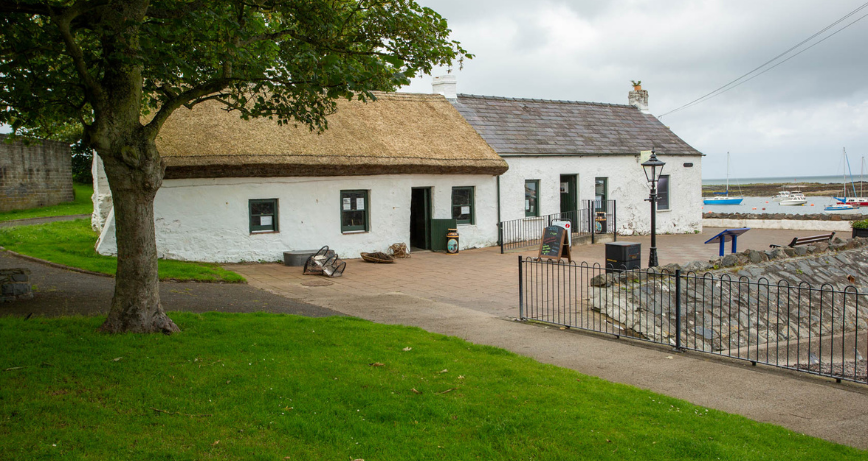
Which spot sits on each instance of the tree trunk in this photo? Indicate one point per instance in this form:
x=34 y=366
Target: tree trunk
x=134 y=174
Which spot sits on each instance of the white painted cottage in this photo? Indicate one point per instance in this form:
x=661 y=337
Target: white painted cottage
x=561 y=153
x=238 y=190
x=395 y=170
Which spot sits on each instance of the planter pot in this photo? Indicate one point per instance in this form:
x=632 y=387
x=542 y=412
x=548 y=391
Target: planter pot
x=860 y=233
x=637 y=88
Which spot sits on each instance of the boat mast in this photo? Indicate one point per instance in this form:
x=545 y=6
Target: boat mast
x=727 y=173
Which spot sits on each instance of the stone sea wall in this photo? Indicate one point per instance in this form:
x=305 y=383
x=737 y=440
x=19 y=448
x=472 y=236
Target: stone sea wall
x=748 y=298
x=34 y=175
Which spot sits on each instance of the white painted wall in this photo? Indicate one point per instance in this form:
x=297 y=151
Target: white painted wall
x=207 y=219
x=102 y=195
x=786 y=224
x=626 y=184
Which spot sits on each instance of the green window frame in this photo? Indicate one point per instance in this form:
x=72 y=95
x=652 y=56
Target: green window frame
x=663 y=192
x=463 y=208
x=355 y=211
x=601 y=194
x=531 y=198
x=263 y=215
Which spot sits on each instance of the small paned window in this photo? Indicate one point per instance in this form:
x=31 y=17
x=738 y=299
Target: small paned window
x=354 y=211
x=263 y=215
x=601 y=194
x=462 y=205
x=531 y=197
x=663 y=192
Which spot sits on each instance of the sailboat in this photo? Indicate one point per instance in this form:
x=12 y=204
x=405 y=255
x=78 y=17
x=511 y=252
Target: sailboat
x=723 y=198
x=859 y=200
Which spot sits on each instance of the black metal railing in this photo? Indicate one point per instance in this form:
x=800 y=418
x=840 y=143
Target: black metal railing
x=590 y=219
x=821 y=331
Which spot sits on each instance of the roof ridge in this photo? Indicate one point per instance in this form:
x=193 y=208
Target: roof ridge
x=560 y=101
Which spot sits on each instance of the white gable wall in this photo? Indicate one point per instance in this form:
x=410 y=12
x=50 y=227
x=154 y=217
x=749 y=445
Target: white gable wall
x=208 y=219
x=626 y=185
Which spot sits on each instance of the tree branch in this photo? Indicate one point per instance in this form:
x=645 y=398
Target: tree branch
x=63 y=21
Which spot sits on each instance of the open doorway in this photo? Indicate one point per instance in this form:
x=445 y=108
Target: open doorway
x=420 y=218
x=570 y=198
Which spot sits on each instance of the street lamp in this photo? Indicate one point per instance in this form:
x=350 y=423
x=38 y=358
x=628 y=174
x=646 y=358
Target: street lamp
x=653 y=168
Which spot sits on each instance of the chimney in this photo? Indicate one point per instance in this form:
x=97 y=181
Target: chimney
x=639 y=98
x=445 y=85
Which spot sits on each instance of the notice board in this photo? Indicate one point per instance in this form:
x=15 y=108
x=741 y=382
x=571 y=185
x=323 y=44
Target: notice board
x=554 y=245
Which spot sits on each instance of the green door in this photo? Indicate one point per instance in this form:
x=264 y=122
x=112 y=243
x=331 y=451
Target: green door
x=439 y=228
x=570 y=199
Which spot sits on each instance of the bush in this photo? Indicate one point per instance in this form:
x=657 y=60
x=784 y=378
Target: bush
x=82 y=158
x=863 y=224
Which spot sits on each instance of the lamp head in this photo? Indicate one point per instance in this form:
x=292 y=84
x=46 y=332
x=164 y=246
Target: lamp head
x=653 y=167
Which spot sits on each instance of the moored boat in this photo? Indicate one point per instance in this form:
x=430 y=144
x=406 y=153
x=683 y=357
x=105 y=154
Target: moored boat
x=796 y=198
x=723 y=198
x=842 y=208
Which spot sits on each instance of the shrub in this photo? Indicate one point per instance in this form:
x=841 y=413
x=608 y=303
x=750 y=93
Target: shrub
x=863 y=224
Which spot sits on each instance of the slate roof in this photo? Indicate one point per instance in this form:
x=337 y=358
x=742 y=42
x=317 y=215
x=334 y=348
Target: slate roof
x=544 y=127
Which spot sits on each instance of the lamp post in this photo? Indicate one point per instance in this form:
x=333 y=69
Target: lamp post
x=653 y=168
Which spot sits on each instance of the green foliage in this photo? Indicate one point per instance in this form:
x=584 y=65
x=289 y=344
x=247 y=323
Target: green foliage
x=82 y=160
x=71 y=243
x=81 y=205
x=863 y=224
x=66 y=66
x=265 y=386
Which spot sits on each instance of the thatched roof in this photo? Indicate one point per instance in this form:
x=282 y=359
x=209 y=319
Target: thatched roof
x=396 y=134
x=516 y=127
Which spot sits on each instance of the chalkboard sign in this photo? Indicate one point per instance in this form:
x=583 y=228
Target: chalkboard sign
x=554 y=244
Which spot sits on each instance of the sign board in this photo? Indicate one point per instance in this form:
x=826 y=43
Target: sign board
x=567 y=225
x=554 y=244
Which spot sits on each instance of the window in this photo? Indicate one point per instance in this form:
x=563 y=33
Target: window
x=663 y=192
x=354 y=211
x=601 y=195
x=462 y=205
x=263 y=215
x=531 y=197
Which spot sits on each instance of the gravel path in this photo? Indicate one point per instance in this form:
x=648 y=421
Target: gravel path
x=62 y=292
x=32 y=221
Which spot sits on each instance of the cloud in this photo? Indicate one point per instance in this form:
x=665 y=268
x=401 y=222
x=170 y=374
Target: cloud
x=781 y=121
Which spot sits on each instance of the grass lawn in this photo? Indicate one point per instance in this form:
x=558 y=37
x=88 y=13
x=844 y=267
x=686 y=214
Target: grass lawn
x=81 y=205
x=265 y=386
x=71 y=243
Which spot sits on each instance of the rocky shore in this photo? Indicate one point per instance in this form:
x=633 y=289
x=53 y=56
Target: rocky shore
x=770 y=190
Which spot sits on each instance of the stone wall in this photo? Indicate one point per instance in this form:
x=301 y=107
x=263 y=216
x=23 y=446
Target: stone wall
x=745 y=298
x=15 y=284
x=35 y=175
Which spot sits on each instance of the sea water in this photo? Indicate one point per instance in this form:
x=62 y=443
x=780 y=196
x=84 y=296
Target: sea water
x=814 y=205
x=734 y=182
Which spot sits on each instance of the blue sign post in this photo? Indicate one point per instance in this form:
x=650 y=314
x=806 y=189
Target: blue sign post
x=726 y=236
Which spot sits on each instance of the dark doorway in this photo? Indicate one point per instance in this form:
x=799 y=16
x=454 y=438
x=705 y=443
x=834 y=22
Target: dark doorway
x=570 y=198
x=420 y=218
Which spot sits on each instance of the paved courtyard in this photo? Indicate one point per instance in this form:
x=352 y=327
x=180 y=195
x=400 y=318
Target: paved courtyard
x=473 y=295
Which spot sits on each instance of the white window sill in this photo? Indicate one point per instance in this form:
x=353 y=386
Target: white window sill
x=264 y=232
x=354 y=232
x=668 y=210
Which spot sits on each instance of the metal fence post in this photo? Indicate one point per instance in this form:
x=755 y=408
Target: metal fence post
x=614 y=221
x=500 y=236
x=591 y=226
x=678 y=309
x=520 y=290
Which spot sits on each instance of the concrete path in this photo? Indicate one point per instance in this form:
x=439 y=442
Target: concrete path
x=32 y=221
x=474 y=296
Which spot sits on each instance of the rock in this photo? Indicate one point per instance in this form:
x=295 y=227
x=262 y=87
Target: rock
x=791 y=252
x=821 y=247
x=602 y=280
x=729 y=261
x=696 y=266
x=800 y=251
x=755 y=257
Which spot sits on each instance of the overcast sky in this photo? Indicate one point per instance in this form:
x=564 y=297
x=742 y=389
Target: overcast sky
x=791 y=121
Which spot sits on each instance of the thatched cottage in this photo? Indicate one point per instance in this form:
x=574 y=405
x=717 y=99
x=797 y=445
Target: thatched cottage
x=237 y=190
x=399 y=168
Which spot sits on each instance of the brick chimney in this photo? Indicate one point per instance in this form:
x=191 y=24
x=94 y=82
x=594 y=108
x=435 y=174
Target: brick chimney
x=639 y=98
x=446 y=85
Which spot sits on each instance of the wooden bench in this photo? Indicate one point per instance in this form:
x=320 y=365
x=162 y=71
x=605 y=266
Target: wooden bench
x=808 y=240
